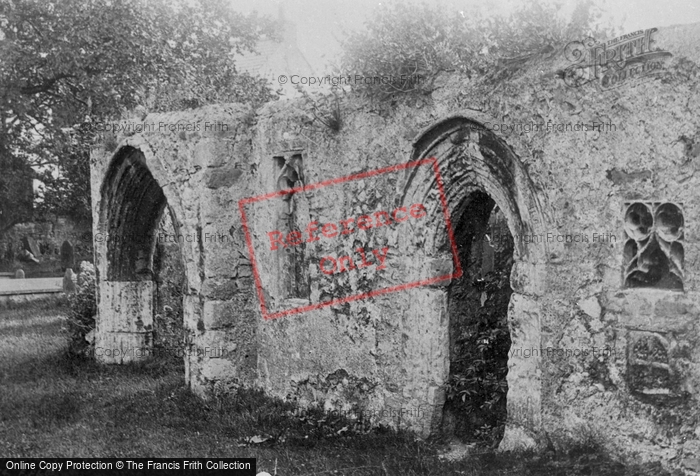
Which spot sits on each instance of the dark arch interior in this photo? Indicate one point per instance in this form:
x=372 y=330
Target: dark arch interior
x=134 y=202
x=475 y=408
x=144 y=244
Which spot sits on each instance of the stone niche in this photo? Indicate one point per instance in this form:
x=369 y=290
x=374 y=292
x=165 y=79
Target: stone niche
x=290 y=209
x=649 y=370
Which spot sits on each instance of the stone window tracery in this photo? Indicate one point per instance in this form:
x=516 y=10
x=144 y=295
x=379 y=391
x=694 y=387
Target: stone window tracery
x=653 y=253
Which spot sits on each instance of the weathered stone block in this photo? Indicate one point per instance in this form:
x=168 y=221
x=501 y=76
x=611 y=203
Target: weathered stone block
x=528 y=278
x=591 y=307
x=223 y=177
x=123 y=347
x=125 y=306
x=517 y=439
x=231 y=313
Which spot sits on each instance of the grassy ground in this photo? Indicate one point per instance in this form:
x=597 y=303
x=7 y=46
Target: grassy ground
x=52 y=406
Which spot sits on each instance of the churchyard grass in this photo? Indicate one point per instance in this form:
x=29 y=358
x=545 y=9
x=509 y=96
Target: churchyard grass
x=55 y=406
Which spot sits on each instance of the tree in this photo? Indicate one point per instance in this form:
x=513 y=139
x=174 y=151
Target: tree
x=15 y=190
x=67 y=63
x=408 y=45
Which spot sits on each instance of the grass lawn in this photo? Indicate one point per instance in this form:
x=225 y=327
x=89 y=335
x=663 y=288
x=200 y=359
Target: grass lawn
x=52 y=406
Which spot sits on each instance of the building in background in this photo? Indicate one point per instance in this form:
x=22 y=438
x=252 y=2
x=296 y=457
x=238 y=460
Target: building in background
x=278 y=59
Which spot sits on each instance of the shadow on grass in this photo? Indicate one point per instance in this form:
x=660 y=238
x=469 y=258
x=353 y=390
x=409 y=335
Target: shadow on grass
x=147 y=410
x=58 y=364
x=53 y=405
x=52 y=409
x=21 y=328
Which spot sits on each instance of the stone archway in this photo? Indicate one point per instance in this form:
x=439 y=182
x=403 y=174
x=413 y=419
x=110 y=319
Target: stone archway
x=178 y=162
x=132 y=203
x=472 y=159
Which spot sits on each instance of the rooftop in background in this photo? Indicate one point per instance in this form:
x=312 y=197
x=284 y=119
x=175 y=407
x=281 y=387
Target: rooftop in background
x=275 y=58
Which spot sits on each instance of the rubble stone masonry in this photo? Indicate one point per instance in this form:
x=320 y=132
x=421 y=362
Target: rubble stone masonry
x=617 y=304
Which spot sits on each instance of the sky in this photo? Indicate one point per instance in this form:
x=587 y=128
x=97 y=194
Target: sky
x=320 y=23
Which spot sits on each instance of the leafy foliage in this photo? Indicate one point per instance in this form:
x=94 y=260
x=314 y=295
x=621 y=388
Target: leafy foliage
x=82 y=312
x=169 y=336
x=475 y=408
x=325 y=108
x=68 y=65
x=15 y=190
x=478 y=384
x=69 y=191
x=410 y=44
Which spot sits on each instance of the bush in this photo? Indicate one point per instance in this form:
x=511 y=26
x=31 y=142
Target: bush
x=82 y=309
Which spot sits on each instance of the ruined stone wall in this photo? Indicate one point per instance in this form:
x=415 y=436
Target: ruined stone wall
x=192 y=163
x=392 y=350
x=598 y=351
x=611 y=363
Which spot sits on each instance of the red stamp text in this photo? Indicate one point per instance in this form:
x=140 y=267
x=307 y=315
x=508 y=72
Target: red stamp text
x=331 y=260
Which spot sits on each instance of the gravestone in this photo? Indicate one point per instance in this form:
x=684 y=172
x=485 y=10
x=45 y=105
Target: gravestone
x=69 y=286
x=30 y=245
x=19 y=274
x=25 y=255
x=67 y=255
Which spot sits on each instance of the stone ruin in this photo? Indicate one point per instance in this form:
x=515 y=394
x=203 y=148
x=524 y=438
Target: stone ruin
x=604 y=290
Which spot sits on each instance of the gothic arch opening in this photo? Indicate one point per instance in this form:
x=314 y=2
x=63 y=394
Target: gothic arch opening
x=143 y=266
x=132 y=206
x=488 y=192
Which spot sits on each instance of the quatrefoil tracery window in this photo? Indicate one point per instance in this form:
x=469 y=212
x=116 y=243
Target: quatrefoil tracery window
x=653 y=254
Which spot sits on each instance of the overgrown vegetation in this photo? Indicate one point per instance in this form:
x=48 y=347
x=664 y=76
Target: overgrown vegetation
x=82 y=309
x=478 y=384
x=325 y=108
x=169 y=336
x=411 y=44
x=480 y=339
